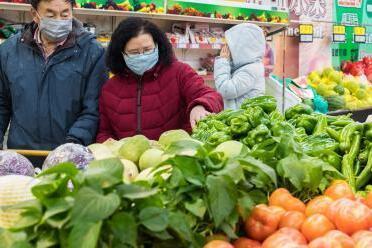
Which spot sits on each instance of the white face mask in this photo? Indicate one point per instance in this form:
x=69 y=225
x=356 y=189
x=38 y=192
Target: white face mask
x=140 y=63
x=55 y=30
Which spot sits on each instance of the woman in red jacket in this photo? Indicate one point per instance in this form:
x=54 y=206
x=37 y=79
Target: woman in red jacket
x=151 y=91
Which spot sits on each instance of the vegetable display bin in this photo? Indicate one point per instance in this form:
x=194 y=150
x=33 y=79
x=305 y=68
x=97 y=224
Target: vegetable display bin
x=275 y=88
x=360 y=115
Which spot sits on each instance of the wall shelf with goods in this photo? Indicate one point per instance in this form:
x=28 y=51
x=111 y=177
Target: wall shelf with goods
x=156 y=16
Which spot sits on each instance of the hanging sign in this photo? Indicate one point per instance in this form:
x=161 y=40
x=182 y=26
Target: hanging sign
x=339 y=33
x=359 y=35
x=306 y=33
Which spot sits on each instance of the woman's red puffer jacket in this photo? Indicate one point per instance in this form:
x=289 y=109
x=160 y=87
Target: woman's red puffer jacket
x=159 y=101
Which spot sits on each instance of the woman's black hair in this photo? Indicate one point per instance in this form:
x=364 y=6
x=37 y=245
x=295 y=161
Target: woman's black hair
x=128 y=29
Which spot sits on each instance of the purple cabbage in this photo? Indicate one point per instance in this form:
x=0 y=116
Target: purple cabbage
x=12 y=163
x=74 y=153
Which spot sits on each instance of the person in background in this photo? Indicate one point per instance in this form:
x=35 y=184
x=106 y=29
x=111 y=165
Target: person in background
x=239 y=71
x=50 y=78
x=151 y=92
x=269 y=58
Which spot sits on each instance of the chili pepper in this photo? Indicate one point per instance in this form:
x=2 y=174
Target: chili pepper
x=276 y=116
x=366 y=173
x=256 y=116
x=308 y=122
x=348 y=161
x=342 y=123
x=217 y=138
x=363 y=156
x=257 y=135
x=347 y=134
x=368 y=133
x=267 y=103
x=282 y=127
x=357 y=167
x=297 y=110
x=240 y=125
x=321 y=125
x=341 y=120
x=333 y=134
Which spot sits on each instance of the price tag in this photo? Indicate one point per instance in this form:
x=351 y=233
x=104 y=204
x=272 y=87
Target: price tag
x=339 y=29
x=306 y=29
x=339 y=38
x=306 y=33
x=194 y=46
x=359 y=38
x=360 y=31
x=360 y=35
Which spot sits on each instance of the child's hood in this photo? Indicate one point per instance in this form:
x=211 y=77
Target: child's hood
x=246 y=43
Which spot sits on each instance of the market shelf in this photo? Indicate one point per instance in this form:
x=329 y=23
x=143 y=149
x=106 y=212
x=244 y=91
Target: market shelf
x=118 y=13
x=198 y=46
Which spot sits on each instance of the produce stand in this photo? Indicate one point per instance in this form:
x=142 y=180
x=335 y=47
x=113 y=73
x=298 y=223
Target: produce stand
x=274 y=173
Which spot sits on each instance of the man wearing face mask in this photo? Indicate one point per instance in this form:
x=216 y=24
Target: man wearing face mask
x=50 y=78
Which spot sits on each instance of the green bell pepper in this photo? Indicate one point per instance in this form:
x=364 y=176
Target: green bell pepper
x=308 y=122
x=278 y=128
x=297 y=110
x=331 y=158
x=219 y=125
x=217 y=138
x=276 y=116
x=267 y=103
x=256 y=116
x=257 y=135
x=240 y=125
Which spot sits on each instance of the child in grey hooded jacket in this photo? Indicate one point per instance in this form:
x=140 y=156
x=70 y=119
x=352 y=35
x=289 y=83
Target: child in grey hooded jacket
x=239 y=70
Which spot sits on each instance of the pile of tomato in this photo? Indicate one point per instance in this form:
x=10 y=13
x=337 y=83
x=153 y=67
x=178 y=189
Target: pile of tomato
x=336 y=219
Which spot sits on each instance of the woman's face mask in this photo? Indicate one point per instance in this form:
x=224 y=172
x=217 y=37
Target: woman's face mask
x=142 y=62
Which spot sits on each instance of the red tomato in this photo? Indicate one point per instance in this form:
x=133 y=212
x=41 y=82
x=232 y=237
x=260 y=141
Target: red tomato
x=345 y=240
x=368 y=200
x=294 y=235
x=293 y=219
x=246 y=243
x=339 y=189
x=318 y=205
x=282 y=198
x=351 y=217
x=360 y=235
x=323 y=242
x=218 y=244
x=333 y=208
x=262 y=222
x=316 y=226
x=285 y=237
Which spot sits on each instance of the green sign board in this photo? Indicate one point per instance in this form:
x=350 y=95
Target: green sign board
x=356 y=16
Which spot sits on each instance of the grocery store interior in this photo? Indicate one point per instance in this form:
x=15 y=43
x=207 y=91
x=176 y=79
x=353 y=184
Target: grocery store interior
x=290 y=166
